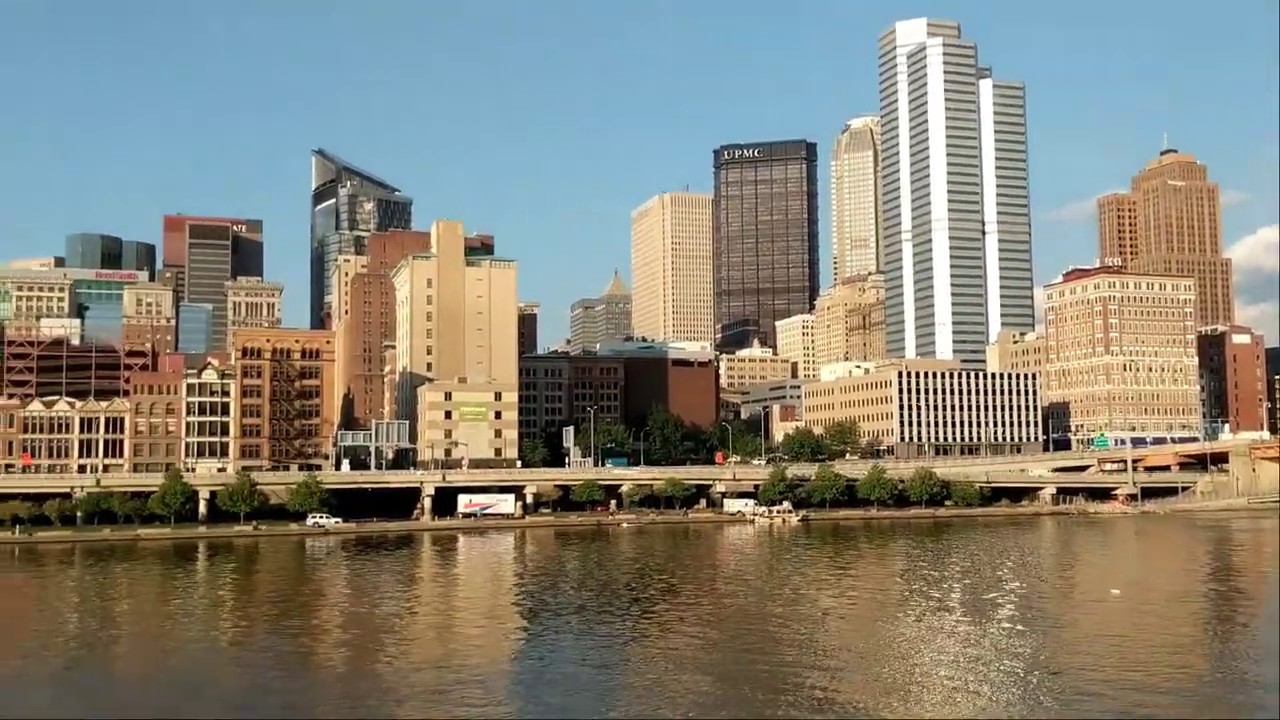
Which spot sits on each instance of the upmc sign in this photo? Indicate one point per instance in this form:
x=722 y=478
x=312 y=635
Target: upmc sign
x=747 y=153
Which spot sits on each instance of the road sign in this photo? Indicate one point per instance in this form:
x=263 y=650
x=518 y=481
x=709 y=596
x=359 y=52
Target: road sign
x=1101 y=442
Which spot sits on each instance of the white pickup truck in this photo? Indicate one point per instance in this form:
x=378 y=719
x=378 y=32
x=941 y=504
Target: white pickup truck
x=322 y=520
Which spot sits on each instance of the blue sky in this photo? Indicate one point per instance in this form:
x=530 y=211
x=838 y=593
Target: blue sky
x=546 y=123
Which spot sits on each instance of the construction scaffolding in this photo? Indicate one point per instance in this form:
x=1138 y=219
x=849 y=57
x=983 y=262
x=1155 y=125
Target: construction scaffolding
x=54 y=367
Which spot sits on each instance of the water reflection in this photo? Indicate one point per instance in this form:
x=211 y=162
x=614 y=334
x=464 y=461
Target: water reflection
x=1151 y=616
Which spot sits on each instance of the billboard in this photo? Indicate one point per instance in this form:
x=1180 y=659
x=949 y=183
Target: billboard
x=486 y=504
x=473 y=413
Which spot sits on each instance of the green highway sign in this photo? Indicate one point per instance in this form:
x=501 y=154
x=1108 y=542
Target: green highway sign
x=1100 y=441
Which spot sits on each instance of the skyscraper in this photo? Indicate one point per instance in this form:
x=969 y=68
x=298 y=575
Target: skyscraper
x=97 y=251
x=765 y=238
x=1170 y=223
x=671 y=270
x=956 y=229
x=347 y=205
x=855 y=199
x=200 y=255
x=600 y=319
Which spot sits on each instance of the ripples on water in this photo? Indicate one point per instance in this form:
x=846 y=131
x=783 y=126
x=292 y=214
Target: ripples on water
x=1039 y=617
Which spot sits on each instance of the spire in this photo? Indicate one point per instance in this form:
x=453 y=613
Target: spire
x=1166 y=142
x=616 y=286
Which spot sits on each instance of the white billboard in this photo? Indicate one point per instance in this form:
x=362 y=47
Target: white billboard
x=486 y=504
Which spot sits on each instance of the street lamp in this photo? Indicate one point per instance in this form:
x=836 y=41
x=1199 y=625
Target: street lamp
x=764 y=440
x=592 y=411
x=633 y=440
x=733 y=466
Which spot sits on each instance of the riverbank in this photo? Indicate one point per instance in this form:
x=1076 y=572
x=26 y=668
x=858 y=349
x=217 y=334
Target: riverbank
x=117 y=533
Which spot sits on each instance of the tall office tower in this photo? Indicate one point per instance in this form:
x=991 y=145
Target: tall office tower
x=765 y=238
x=200 y=255
x=1170 y=223
x=601 y=319
x=457 y=355
x=347 y=205
x=96 y=251
x=671 y=275
x=528 y=330
x=956 y=231
x=855 y=199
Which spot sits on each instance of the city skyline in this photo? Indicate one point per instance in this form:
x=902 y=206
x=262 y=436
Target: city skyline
x=1075 y=154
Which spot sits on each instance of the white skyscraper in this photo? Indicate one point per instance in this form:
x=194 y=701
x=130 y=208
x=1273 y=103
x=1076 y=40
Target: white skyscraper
x=671 y=268
x=855 y=199
x=956 y=230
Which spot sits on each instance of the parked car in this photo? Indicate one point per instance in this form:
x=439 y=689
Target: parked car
x=322 y=520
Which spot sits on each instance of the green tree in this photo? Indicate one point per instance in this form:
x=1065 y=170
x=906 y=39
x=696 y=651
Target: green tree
x=924 y=486
x=307 y=496
x=843 y=438
x=636 y=494
x=533 y=453
x=93 y=504
x=968 y=495
x=588 y=492
x=551 y=494
x=825 y=487
x=126 y=507
x=675 y=489
x=664 y=438
x=242 y=496
x=175 y=496
x=777 y=488
x=609 y=436
x=56 y=509
x=805 y=445
x=877 y=487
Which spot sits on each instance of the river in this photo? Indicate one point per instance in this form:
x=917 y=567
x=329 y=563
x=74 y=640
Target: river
x=1150 y=616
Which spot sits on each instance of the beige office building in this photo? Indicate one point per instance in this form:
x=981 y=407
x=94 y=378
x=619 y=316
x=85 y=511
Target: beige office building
x=796 y=342
x=752 y=366
x=253 y=303
x=1170 y=223
x=671 y=269
x=929 y=408
x=848 y=321
x=855 y=198
x=149 y=317
x=1120 y=355
x=457 y=360
x=1015 y=351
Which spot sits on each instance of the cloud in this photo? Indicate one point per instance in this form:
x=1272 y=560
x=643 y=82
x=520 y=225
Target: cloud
x=1078 y=211
x=1255 y=262
x=1087 y=209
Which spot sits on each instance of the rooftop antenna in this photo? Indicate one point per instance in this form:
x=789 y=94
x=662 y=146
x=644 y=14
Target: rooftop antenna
x=1166 y=142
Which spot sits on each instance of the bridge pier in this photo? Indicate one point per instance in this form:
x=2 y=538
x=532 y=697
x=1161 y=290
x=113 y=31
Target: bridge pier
x=77 y=497
x=530 y=499
x=202 y=511
x=425 y=512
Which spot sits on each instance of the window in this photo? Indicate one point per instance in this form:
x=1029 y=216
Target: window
x=448 y=396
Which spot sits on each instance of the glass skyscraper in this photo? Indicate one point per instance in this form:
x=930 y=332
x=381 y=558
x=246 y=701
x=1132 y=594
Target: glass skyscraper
x=347 y=205
x=96 y=251
x=195 y=328
x=764 y=238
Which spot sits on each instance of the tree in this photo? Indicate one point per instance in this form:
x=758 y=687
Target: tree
x=665 y=437
x=242 y=496
x=56 y=509
x=552 y=495
x=93 y=504
x=742 y=442
x=967 y=494
x=609 y=435
x=924 y=486
x=843 y=438
x=125 y=506
x=636 y=494
x=805 y=445
x=675 y=489
x=877 y=487
x=779 y=487
x=533 y=453
x=308 y=496
x=825 y=486
x=175 y=496
x=588 y=492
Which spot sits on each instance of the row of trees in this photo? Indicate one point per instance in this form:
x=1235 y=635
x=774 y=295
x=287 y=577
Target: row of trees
x=668 y=440
x=877 y=487
x=591 y=492
x=176 y=498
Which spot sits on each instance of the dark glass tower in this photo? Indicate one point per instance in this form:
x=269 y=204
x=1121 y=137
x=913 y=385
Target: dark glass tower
x=96 y=251
x=765 y=235
x=347 y=204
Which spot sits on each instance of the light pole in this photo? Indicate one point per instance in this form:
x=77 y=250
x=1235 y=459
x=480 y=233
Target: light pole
x=764 y=438
x=592 y=411
x=633 y=441
x=733 y=466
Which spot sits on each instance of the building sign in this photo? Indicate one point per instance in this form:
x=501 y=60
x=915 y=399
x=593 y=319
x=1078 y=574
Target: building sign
x=473 y=413
x=117 y=275
x=239 y=228
x=747 y=153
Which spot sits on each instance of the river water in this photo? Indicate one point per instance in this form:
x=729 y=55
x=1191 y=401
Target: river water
x=1153 y=616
